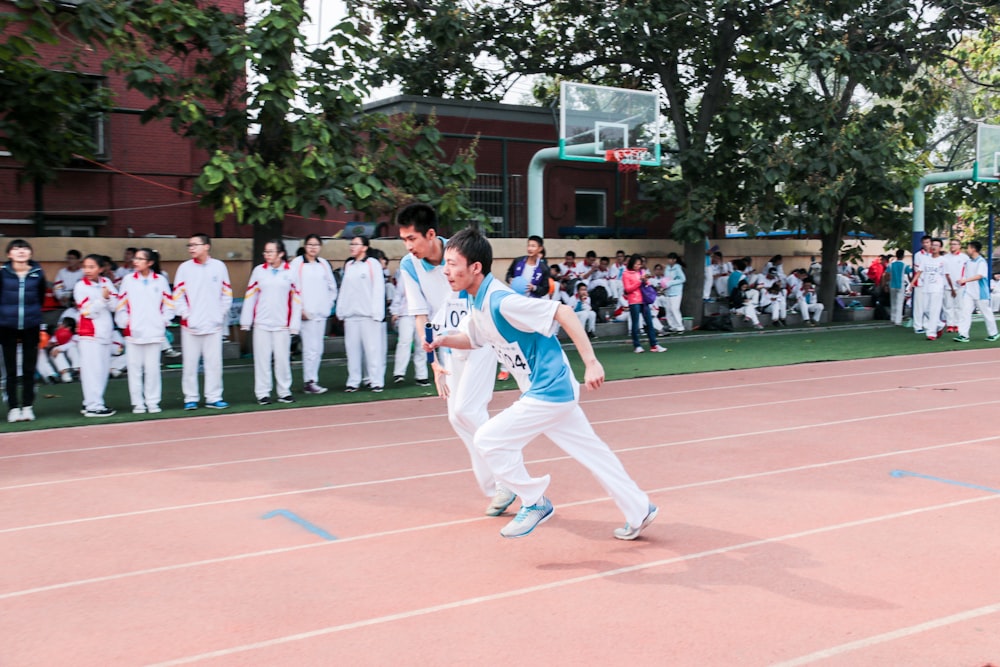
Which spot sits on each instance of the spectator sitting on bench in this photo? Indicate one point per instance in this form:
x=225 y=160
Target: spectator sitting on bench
x=582 y=307
x=743 y=301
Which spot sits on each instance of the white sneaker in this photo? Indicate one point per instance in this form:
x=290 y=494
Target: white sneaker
x=528 y=517
x=14 y=415
x=630 y=533
x=139 y=410
x=27 y=414
x=155 y=409
x=501 y=501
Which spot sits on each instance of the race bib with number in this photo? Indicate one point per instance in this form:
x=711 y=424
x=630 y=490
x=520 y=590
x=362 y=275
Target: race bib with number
x=512 y=357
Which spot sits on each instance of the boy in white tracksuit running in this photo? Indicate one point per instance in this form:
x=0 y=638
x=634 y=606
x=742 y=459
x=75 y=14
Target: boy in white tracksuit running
x=521 y=331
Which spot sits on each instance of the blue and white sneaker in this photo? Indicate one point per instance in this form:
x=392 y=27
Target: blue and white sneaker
x=217 y=405
x=528 y=517
x=191 y=405
x=630 y=533
x=502 y=499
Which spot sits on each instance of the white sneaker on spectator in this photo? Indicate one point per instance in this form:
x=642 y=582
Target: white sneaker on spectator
x=14 y=415
x=27 y=414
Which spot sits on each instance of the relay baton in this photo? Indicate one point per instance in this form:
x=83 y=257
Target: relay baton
x=429 y=337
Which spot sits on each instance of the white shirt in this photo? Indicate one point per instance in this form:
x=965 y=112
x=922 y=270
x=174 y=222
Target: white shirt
x=317 y=287
x=362 y=291
x=953 y=265
x=95 y=310
x=272 y=300
x=65 y=281
x=429 y=293
x=932 y=275
x=203 y=295
x=145 y=307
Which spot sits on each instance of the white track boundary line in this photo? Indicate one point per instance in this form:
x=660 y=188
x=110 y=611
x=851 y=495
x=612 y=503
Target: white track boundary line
x=595 y=576
x=333 y=487
x=459 y=522
x=893 y=635
x=329 y=452
x=588 y=401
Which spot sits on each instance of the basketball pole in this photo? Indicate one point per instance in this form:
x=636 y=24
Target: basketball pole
x=918 y=198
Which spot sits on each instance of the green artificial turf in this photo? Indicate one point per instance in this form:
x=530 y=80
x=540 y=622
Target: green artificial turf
x=59 y=405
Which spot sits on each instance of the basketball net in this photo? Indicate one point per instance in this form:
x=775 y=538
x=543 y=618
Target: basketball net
x=628 y=159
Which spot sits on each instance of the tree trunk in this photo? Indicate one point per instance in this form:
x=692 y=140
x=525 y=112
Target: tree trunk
x=832 y=242
x=691 y=303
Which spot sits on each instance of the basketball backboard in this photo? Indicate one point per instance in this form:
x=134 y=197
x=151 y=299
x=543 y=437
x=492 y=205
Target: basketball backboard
x=987 y=166
x=596 y=119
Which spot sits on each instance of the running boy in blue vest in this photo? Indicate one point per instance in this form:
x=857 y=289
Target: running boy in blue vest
x=521 y=332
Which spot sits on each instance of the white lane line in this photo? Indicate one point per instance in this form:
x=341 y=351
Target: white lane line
x=332 y=487
x=874 y=640
x=662 y=415
x=326 y=452
x=528 y=590
x=586 y=401
x=459 y=522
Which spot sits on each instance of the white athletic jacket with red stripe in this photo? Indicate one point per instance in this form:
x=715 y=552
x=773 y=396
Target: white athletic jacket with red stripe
x=203 y=295
x=145 y=307
x=272 y=301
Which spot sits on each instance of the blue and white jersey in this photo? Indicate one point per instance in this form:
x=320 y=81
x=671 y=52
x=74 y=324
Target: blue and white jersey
x=522 y=333
x=898 y=274
x=429 y=293
x=675 y=278
x=978 y=289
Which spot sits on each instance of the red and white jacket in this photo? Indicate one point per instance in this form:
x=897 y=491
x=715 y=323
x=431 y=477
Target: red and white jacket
x=95 y=309
x=272 y=300
x=203 y=295
x=145 y=307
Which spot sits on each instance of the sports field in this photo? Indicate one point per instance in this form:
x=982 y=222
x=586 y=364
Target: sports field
x=839 y=513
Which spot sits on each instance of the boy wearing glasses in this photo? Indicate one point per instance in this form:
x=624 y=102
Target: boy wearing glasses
x=202 y=297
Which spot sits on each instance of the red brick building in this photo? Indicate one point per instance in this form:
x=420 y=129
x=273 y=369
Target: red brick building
x=140 y=184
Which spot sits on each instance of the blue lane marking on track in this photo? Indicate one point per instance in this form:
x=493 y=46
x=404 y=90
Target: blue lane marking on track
x=906 y=473
x=295 y=518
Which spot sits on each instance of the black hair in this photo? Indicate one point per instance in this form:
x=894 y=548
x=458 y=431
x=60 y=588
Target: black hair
x=98 y=259
x=474 y=247
x=977 y=245
x=153 y=256
x=279 y=245
x=900 y=253
x=365 y=241
x=69 y=323
x=537 y=239
x=21 y=243
x=632 y=259
x=605 y=259
x=73 y=253
x=309 y=237
x=591 y=254
x=570 y=253
x=202 y=238
x=422 y=217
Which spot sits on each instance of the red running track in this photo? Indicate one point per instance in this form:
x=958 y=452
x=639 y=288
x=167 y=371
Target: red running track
x=353 y=535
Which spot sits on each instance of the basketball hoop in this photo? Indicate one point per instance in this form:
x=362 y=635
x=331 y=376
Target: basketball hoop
x=628 y=159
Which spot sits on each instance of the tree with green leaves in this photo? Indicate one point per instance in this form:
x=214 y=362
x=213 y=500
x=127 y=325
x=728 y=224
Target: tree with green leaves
x=725 y=69
x=281 y=120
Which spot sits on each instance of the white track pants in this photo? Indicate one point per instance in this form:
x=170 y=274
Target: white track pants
x=272 y=347
x=811 y=311
x=588 y=319
x=918 y=308
x=407 y=348
x=144 y=386
x=503 y=438
x=930 y=321
x=364 y=340
x=897 y=298
x=706 y=291
x=470 y=388
x=952 y=307
x=673 y=307
x=311 y=334
x=208 y=349
x=95 y=362
x=968 y=304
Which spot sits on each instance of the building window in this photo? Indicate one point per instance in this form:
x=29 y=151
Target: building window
x=591 y=208
x=70 y=228
x=99 y=120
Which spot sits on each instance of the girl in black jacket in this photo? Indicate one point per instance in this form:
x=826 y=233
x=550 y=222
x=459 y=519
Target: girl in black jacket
x=22 y=293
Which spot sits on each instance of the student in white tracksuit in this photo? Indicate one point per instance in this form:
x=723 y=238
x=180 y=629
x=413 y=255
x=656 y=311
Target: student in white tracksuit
x=145 y=307
x=465 y=378
x=318 y=290
x=933 y=282
x=917 y=289
x=954 y=265
x=408 y=343
x=95 y=297
x=361 y=307
x=202 y=297
x=521 y=333
x=975 y=286
x=273 y=309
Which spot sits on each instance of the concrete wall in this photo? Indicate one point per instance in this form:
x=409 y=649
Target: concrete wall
x=236 y=253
